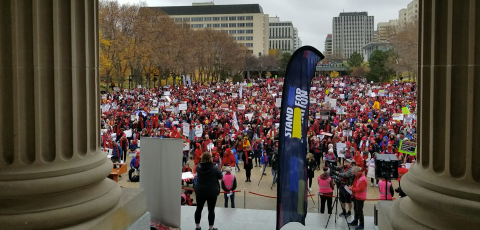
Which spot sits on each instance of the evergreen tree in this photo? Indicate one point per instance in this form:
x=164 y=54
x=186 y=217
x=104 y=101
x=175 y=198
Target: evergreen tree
x=379 y=70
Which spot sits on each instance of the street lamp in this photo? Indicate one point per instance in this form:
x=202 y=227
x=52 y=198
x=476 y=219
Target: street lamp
x=129 y=82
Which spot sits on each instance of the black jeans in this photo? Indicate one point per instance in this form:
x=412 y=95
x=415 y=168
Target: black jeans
x=358 y=211
x=327 y=199
x=248 y=173
x=310 y=179
x=211 y=202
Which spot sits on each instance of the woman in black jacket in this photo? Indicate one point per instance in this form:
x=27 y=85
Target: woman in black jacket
x=207 y=188
x=311 y=166
x=248 y=162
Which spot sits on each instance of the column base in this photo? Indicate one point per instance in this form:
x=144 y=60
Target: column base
x=433 y=202
x=129 y=213
x=57 y=202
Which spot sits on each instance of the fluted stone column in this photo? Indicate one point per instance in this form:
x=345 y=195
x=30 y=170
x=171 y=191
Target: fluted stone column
x=443 y=188
x=52 y=172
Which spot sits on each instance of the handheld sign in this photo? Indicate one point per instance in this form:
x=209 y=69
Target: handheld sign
x=408 y=147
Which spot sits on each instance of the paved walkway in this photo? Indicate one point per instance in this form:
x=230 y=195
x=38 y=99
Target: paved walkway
x=252 y=201
x=240 y=219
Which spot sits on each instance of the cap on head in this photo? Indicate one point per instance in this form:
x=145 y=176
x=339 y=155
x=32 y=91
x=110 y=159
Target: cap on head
x=228 y=169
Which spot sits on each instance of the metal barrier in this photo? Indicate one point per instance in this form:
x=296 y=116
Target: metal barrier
x=245 y=191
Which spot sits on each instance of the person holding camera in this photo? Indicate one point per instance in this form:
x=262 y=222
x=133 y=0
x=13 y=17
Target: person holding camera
x=359 y=189
x=346 y=173
x=207 y=188
x=325 y=188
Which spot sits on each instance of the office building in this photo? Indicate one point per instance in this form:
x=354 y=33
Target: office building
x=328 y=46
x=409 y=14
x=382 y=30
x=402 y=17
x=351 y=31
x=281 y=35
x=297 y=43
x=246 y=23
x=412 y=11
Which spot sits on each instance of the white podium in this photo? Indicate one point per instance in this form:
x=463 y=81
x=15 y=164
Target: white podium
x=160 y=176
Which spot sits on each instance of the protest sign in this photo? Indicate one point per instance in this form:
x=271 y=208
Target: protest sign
x=325 y=113
x=341 y=149
x=186 y=129
x=254 y=94
x=224 y=106
x=397 y=116
x=317 y=116
x=128 y=133
x=313 y=88
x=186 y=146
x=166 y=93
x=234 y=95
x=182 y=106
x=241 y=107
x=198 y=130
x=333 y=102
x=408 y=147
x=278 y=102
x=313 y=100
x=235 y=121
x=347 y=133
x=342 y=96
x=154 y=110
x=405 y=110
x=116 y=89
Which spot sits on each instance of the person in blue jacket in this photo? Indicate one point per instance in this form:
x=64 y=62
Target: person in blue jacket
x=236 y=158
x=116 y=153
x=134 y=165
x=264 y=161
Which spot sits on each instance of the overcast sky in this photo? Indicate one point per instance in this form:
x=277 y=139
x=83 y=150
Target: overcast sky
x=313 y=18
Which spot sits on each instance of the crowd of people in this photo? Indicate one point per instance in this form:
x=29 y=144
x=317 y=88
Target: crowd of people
x=350 y=120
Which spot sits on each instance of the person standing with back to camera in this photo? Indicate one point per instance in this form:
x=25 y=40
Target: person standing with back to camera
x=207 y=189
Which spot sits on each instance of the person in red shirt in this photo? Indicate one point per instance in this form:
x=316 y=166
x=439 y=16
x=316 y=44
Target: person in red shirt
x=175 y=133
x=205 y=143
x=198 y=153
x=228 y=158
x=359 y=189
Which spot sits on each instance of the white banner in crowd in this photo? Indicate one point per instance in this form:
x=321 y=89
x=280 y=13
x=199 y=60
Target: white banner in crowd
x=278 y=102
x=340 y=149
x=241 y=107
x=182 y=106
x=235 y=121
x=198 y=130
x=249 y=116
x=186 y=129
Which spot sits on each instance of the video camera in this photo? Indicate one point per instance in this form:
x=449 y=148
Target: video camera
x=333 y=174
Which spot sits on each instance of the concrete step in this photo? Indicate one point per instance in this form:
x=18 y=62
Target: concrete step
x=249 y=219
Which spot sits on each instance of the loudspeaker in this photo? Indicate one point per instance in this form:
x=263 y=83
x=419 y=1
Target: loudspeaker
x=386 y=166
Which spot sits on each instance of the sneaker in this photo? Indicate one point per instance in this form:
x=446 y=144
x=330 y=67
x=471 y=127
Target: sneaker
x=198 y=228
x=310 y=189
x=342 y=214
x=359 y=227
x=217 y=228
x=353 y=223
x=246 y=180
x=349 y=213
x=371 y=184
x=376 y=185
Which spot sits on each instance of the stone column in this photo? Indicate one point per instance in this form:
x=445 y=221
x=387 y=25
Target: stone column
x=52 y=171
x=443 y=188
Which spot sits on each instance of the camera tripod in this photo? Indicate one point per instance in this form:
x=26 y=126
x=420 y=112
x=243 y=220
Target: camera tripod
x=335 y=204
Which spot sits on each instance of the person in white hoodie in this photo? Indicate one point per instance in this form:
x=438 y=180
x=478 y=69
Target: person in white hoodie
x=371 y=170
